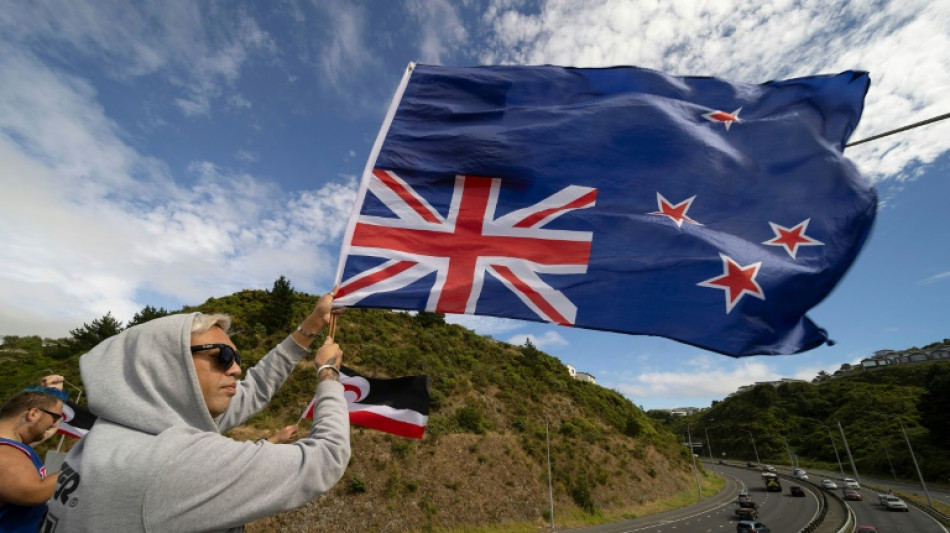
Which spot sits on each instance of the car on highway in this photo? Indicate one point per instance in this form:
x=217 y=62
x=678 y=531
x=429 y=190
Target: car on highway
x=747 y=510
x=828 y=484
x=751 y=526
x=769 y=468
x=851 y=483
x=866 y=529
x=795 y=490
x=851 y=494
x=799 y=473
x=893 y=503
x=751 y=465
x=744 y=496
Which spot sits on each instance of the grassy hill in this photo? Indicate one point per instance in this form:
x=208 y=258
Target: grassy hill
x=482 y=463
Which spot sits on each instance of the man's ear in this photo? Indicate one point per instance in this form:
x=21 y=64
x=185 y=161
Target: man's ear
x=32 y=414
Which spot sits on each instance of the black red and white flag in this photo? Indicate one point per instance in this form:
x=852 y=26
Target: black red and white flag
x=77 y=420
x=399 y=406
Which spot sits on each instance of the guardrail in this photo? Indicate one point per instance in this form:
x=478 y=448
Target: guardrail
x=822 y=512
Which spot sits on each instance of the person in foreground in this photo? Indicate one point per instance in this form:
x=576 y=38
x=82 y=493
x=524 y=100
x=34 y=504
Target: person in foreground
x=26 y=419
x=155 y=459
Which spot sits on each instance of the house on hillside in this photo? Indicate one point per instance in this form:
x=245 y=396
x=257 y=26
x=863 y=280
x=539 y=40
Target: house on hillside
x=580 y=376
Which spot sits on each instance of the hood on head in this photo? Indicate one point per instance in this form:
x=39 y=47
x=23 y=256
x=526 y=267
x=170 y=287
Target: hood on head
x=145 y=378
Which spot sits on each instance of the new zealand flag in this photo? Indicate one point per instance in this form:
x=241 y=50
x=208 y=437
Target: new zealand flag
x=621 y=199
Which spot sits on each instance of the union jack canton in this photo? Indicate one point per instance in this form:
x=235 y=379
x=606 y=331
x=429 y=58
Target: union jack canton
x=469 y=242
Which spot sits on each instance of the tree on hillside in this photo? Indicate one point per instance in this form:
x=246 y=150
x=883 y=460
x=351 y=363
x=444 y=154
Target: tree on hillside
x=935 y=403
x=147 y=313
x=427 y=319
x=84 y=338
x=279 y=308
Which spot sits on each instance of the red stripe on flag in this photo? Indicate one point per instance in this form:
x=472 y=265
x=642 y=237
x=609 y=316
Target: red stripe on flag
x=532 y=295
x=579 y=203
x=387 y=272
x=372 y=420
x=406 y=196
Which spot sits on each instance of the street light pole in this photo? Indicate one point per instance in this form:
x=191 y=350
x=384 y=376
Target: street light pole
x=708 y=444
x=756 y=450
x=547 y=436
x=835 y=447
x=699 y=487
x=914 y=459
x=847 y=449
x=788 y=451
x=890 y=464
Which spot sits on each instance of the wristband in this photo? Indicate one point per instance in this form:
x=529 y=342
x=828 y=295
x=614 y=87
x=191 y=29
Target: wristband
x=306 y=333
x=328 y=367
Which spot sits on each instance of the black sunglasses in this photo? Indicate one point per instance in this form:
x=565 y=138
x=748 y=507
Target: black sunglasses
x=226 y=354
x=56 y=416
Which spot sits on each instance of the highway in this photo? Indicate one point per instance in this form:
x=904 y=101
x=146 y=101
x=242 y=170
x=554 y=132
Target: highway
x=870 y=512
x=780 y=511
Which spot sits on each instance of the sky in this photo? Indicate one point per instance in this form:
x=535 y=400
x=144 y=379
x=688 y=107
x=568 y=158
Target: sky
x=162 y=153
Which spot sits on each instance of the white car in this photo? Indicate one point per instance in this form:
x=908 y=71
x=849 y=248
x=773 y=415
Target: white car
x=851 y=484
x=769 y=468
x=828 y=484
x=893 y=503
x=799 y=473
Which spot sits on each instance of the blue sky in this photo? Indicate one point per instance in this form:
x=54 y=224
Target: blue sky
x=169 y=152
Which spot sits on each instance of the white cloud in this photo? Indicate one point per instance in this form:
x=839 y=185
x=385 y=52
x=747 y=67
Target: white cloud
x=199 y=49
x=700 y=379
x=115 y=223
x=936 y=277
x=901 y=43
x=548 y=340
x=440 y=29
x=485 y=325
x=349 y=51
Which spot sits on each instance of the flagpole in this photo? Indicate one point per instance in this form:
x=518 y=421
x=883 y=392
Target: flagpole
x=368 y=170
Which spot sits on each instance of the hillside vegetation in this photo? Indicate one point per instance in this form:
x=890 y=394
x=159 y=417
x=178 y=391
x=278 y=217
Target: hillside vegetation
x=870 y=405
x=483 y=461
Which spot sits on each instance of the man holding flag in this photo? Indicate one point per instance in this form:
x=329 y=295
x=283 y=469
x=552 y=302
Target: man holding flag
x=155 y=459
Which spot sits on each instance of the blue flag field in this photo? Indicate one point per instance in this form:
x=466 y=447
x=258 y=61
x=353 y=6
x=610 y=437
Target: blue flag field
x=621 y=199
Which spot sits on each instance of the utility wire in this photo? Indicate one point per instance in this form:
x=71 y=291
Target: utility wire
x=898 y=130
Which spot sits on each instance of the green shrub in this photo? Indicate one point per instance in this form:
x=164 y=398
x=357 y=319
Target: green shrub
x=355 y=485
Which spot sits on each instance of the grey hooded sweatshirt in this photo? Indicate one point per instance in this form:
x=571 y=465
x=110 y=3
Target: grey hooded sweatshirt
x=155 y=459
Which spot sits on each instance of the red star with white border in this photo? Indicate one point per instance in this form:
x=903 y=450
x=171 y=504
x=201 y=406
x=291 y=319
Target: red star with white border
x=725 y=118
x=736 y=281
x=677 y=213
x=792 y=238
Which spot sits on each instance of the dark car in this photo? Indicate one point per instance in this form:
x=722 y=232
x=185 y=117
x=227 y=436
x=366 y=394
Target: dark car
x=866 y=529
x=750 y=526
x=744 y=496
x=747 y=510
x=795 y=490
x=851 y=494
x=751 y=465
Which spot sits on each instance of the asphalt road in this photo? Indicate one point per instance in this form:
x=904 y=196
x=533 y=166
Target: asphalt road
x=870 y=512
x=780 y=511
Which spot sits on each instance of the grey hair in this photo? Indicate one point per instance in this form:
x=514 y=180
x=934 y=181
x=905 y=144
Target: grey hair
x=203 y=322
